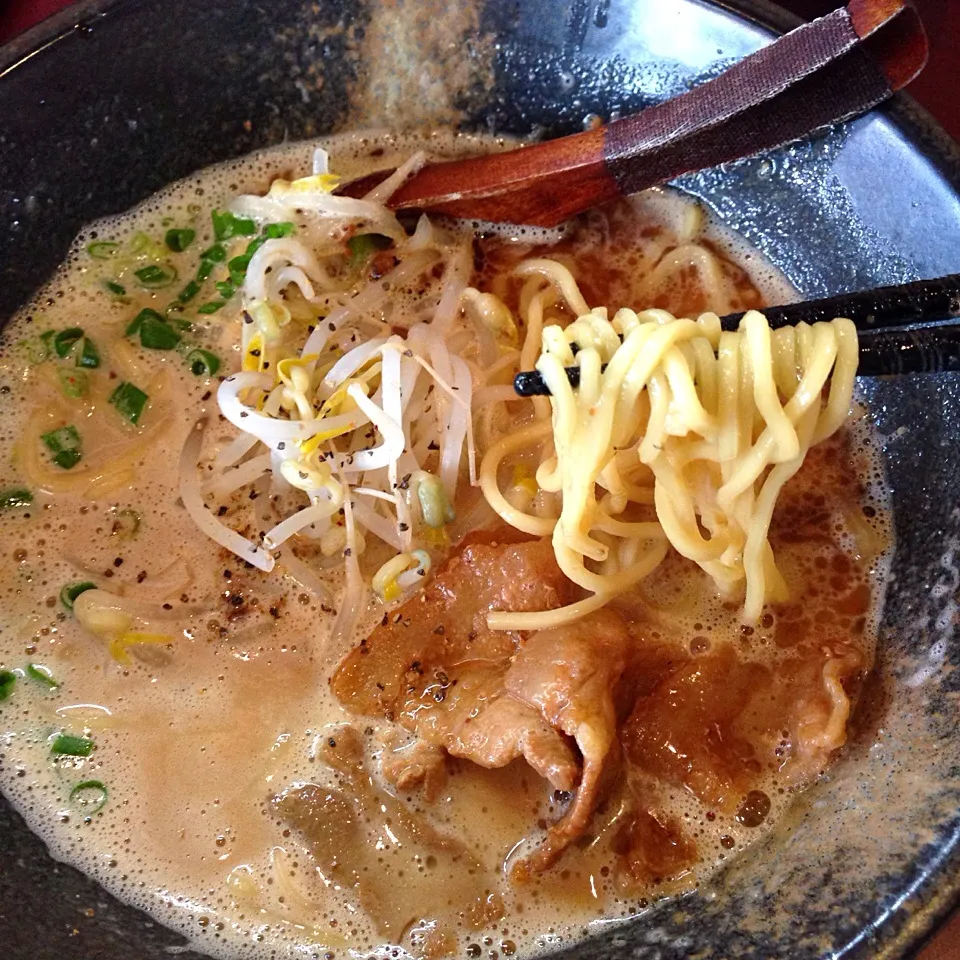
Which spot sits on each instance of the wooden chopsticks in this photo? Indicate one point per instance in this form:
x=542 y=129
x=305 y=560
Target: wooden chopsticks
x=821 y=73
x=909 y=328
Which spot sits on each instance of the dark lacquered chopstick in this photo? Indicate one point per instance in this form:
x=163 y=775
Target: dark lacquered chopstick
x=903 y=329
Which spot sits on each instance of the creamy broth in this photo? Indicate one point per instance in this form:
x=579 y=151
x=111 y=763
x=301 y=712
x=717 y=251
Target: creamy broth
x=199 y=740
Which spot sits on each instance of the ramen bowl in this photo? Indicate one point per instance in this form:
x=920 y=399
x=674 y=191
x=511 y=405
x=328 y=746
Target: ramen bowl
x=113 y=99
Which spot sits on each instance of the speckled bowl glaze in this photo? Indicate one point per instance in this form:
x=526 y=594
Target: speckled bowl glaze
x=109 y=101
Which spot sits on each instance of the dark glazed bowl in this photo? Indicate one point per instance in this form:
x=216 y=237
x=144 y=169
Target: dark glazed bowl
x=105 y=103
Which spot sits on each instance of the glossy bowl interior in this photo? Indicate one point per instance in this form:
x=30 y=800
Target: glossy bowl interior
x=103 y=105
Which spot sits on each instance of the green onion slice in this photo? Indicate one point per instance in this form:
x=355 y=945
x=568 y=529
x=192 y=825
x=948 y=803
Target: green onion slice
x=157 y=334
x=134 y=325
x=155 y=276
x=274 y=231
x=226 y=225
x=189 y=291
x=66 y=745
x=89 y=355
x=63 y=438
x=203 y=363
x=66 y=340
x=226 y=289
x=217 y=253
x=211 y=306
x=74 y=383
x=102 y=249
x=70 y=591
x=8 y=681
x=64 y=445
x=179 y=239
x=90 y=796
x=117 y=289
x=14 y=497
x=364 y=245
x=42 y=675
x=129 y=401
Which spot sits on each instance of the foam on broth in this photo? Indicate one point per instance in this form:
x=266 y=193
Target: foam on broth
x=194 y=740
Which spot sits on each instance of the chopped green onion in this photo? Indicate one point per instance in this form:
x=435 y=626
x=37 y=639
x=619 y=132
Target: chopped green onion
x=154 y=276
x=117 y=289
x=74 y=383
x=217 y=253
x=90 y=795
x=203 y=363
x=37 y=348
x=274 y=231
x=254 y=245
x=15 y=497
x=129 y=401
x=102 y=249
x=226 y=289
x=364 y=245
x=126 y=524
x=142 y=243
x=212 y=306
x=89 y=355
x=189 y=292
x=179 y=240
x=204 y=270
x=66 y=340
x=66 y=745
x=63 y=438
x=41 y=674
x=64 y=444
x=157 y=334
x=67 y=459
x=226 y=225
x=238 y=265
x=134 y=325
x=8 y=681
x=70 y=591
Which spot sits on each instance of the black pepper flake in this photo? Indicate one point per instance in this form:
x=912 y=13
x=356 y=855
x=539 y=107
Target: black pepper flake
x=403 y=527
x=141 y=576
x=281 y=446
x=252 y=495
x=168 y=606
x=221 y=511
x=254 y=353
x=118 y=561
x=243 y=413
x=206 y=396
x=247 y=318
x=383 y=622
x=331 y=743
x=227 y=574
x=439 y=630
x=433 y=445
x=331 y=327
x=380 y=686
x=408 y=352
x=347 y=552
x=275 y=613
x=237 y=600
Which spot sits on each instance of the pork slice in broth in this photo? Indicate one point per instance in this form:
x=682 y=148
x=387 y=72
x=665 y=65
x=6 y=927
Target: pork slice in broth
x=436 y=668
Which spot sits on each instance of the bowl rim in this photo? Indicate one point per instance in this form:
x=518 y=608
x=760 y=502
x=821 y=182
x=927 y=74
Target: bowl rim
x=923 y=133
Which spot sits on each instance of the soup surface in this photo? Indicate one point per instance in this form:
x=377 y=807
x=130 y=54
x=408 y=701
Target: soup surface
x=252 y=780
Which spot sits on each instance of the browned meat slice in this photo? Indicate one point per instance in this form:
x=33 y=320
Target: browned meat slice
x=447 y=625
x=407 y=765
x=718 y=724
x=362 y=838
x=436 y=668
x=653 y=848
x=570 y=674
